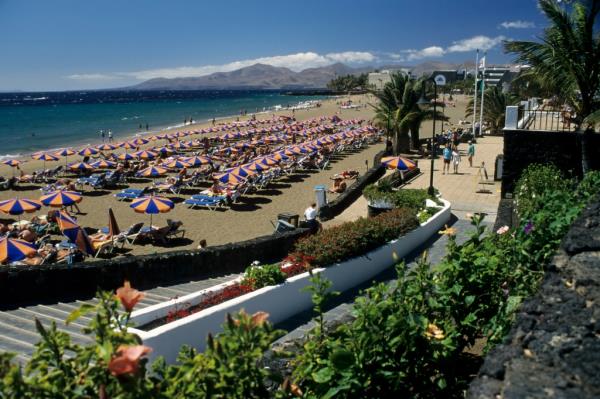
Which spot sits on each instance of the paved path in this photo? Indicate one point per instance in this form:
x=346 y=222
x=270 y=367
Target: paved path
x=341 y=306
x=17 y=326
x=462 y=190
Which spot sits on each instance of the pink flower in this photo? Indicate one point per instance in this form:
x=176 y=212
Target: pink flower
x=128 y=296
x=502 y=230
x=127 y=360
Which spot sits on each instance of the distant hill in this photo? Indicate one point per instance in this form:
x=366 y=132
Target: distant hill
x=257 y=76
x=262 y=76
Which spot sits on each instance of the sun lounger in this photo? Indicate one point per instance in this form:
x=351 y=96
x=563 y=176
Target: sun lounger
x=126 y=236
x=203 y=201
x=131 y=193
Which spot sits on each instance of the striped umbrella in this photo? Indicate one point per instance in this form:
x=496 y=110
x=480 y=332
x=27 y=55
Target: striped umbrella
x=180 y=145
x=127 y=145
x=177 y=164
x=103 y=164
x=399 y=163
x=13 y=163
x=256 y=167
x=230 y=136
x=144 y=154
x=17 y=206
x=152 y=205
x=163 y=150
x=229 y=178
x=280 y=156
x=107 y=147
x=241 y=171
x=268 y=161
x=44 y=156
x=139 y=141
x=87 y=151
x=77 y=235
x=197 y=161
x=12 y=250
x=125 y=157
x=152 y=171
x=80 y=166
x=61 y=198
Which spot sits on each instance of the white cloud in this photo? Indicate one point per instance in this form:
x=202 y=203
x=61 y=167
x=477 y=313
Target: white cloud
x=91 y=76
x=477 y=42
x=517 y=24
x=427 y=52
x=295 y=62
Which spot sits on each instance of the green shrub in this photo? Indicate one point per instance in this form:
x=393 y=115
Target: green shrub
x=263 y=275
x=534 y=182
x=403 y=198
x=350 y=239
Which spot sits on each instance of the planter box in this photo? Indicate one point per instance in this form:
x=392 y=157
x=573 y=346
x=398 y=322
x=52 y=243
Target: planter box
x=281 y=302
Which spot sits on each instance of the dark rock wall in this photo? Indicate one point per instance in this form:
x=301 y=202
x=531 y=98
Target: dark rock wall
x=553 y=350
x=563 y=149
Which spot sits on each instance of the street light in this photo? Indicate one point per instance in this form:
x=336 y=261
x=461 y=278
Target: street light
x=424 y=102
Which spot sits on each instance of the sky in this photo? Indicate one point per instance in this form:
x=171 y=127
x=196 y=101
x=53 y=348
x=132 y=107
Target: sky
x=92 y=44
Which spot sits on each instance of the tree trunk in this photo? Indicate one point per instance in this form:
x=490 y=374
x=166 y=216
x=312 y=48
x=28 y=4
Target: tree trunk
x=401 y=142
x=414 y=138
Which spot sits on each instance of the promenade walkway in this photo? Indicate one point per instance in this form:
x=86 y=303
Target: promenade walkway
x=464 y=190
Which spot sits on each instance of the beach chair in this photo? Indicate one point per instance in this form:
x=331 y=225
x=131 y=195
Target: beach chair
x=131 y=193
x=281 y=226
x=174 y=229
x=204 y=201
x=127 y=236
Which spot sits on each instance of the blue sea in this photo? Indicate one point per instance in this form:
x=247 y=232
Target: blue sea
x=31 y=122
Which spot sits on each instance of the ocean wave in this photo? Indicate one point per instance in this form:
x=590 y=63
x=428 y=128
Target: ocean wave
x=9 y=156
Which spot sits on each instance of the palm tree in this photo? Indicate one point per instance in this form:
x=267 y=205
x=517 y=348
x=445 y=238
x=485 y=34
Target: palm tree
x=398 y=113
x=567 y=60
x=495 y=107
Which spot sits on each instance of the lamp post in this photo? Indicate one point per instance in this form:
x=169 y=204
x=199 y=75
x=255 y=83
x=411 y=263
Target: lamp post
x=424 y=102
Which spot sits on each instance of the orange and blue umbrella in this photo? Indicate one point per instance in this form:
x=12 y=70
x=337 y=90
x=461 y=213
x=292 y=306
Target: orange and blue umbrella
x=80 y=166
x=229 y=178
x=139 y=141
x=12 y=163
x=65 y=152
x=256 y=167
x=44 y=156
x=18 y=206
x=197 y=161
x=268 y=161
x=241 y=171
x=399 y=163
x=125 y=157
x=176 y=164
x=12 y=250
x=75 y=233
x=144 y=154
x=163 y=150
x=152 y=205
x=87 y=151
x=107 y=147
x=103 y=164
x=152 y=171
x=61 y=198
x=127 y=145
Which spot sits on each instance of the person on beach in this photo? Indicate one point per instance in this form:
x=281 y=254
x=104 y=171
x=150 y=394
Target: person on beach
x=102 y=135
x=447 y=155
x=471 y=153
x=110 y=136
x=455 y=158
x=310 y=215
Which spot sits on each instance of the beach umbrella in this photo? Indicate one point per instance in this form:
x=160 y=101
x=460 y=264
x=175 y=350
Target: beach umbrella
x=127 y=145
x=180 y=146
x=75 y=233
x=80 y=166
x=241 y=171
x=87 y=151
x=44 y=156
x=399 y=163
x=139 y=141
x=144 y=154
x=268 y=161
x=103 y=164
x=152 y=205
x=18 y=206
x=13 y=163
x=163 y=150
x=229 y=178
x=125 y=157
x=243 y=145
x=196 y=161
x=113 y=227
x=256 y=167
x=176 y=164
x=12 y=249
x=107 y=147
x=281 y=156
x=61 y=198
x=230 y=136
x=152 y=171
x=65 y=152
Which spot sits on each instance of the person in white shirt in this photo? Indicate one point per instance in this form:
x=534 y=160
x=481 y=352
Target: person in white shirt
x=310 y=214
x=455 y=159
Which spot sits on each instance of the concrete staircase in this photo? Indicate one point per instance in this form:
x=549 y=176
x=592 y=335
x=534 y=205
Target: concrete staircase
x=17 y=326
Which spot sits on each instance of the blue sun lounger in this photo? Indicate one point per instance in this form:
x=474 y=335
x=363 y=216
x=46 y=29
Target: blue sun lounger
x=205 y=201
x=130 y=193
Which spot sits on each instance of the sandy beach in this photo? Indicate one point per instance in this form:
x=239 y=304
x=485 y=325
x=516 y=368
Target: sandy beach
x=250 y=217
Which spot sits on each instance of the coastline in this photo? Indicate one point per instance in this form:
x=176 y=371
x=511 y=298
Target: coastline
x=25 y=156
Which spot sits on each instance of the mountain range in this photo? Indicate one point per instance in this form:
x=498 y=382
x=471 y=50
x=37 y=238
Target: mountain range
x=262 y=76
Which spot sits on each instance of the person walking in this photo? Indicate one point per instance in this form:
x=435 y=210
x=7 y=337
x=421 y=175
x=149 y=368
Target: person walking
x=102 y=135
x=471 y=153
x=110 y=136
x=310 y=215
x=455 y=159
x=447 y=155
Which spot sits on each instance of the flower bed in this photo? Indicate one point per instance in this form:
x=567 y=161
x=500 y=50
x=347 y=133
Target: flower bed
x=347 y=269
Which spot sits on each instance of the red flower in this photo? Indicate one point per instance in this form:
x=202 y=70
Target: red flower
x=128 y=296
x=259 y=318
x=127 y=360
